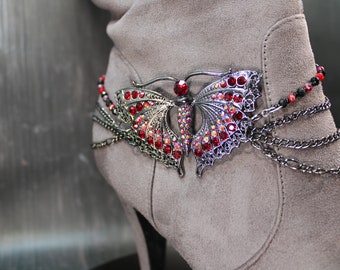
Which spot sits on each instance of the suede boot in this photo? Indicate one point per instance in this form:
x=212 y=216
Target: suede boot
x=245 y=212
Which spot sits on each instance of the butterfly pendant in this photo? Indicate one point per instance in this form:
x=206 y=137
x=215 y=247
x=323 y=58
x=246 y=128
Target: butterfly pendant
x=224 y=105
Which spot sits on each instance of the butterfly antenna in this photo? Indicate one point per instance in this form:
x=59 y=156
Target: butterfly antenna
x=208 y=73
x=168 y=78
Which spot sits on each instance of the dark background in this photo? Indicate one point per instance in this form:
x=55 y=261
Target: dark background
x=56 y=211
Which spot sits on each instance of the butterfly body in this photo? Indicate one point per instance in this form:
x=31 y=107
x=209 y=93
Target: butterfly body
x=223 y=105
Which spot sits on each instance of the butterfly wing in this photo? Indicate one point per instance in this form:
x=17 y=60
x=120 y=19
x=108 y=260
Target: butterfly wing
x=146 y=113
x=224 y=105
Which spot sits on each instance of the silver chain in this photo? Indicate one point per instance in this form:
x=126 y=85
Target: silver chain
x=262 y=139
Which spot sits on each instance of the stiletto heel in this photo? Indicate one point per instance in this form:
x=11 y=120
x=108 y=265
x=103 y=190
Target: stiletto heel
x=151 y=246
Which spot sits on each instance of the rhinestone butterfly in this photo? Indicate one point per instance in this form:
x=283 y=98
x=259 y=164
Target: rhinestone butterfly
x=143 y=118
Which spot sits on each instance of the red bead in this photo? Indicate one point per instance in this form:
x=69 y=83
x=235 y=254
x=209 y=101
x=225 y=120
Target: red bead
x=198 y=152
x=177 y=154
x=167 y=149
x=141 y=134
x=181 y=88
x=228 y=96
x=158 y=145
x=215 y=141
x=134 y=94
x=238 y=116
x=127 y=95
x=308 y=87
x=139 y=106
x=291 y=98
x=102 y=78
x=241 y=80
x=320 y=76
x=141 y=94
x=133 y=110
x=223 y=135
x=223 y=84
x=112 y=106
x=150 y=140
x=231 y=81
x=101 y=89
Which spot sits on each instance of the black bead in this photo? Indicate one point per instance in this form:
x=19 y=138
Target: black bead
x=314 y=81
x=283 y=102
x=108 y=102
x=100 y=82
x=301 y=92
x=323 y=72
x=104 y=94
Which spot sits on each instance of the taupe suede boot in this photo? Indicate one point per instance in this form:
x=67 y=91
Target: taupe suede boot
x=247 y=211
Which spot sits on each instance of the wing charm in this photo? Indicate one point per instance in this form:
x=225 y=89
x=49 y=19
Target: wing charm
x=143 y=115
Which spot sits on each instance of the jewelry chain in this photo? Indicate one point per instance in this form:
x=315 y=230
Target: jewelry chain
x=262 y=139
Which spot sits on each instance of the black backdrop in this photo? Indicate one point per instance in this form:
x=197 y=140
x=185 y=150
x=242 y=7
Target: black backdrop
x=56 y=212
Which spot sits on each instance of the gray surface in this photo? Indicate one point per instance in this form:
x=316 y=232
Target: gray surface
x=56 y=212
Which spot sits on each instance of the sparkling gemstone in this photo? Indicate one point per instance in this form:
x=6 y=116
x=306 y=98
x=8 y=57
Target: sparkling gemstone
x=139 y=106
x=177 y=154
x=238 y=99
x=238 y=116
x=181 y=88
x=228 y=96
x=206 y=146
x=215 y=141
x=127 y=95
x=241 y=80
x=220 y=96
x=224 y=135
x=150 y=140
x=198 y=152
x=231 y=81
x=158 y=144
x=146 y=104
x=231 y=127
x=167 y=149
x=223 y=84
x=134 y=94
x=112 y=106
x=141 y=94
x=133 y=110
x=141 y=134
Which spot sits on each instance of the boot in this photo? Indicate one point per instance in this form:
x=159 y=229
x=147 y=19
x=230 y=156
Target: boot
x=247 y=211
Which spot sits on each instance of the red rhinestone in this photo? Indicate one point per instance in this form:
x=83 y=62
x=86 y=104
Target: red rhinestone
x=141 y=94
x=198 y=152
x=206 y=146
x=241 y=80
x=158 y=145
x=133 y=110
x=224 y=135
x=215 y=141
x=101 y=89
x=238 y=116
x=141 y=134
x=223 y=84
x=181 y=88
x=231 y=81
x=308 y=87
x=139 y=106
x=134 y=94
x=177 y=154
x=231 y=127
x=228 y=96
x=320 y=76
x=291 y=98
x=150 y=140
x=167 y=149
x=238 y=99
x=127 y=95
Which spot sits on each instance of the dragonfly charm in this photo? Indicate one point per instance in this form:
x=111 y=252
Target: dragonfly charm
x=143 y=116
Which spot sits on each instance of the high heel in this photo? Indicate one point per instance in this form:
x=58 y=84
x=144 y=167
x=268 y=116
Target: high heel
x=151 y=246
